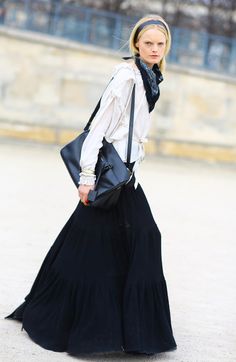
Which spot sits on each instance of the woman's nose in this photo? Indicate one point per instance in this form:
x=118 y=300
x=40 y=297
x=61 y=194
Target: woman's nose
x=154 y=47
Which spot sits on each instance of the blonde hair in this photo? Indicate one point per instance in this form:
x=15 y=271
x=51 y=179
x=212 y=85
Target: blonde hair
x=164 y=29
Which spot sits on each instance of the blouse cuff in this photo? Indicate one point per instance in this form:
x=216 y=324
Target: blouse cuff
x=86 y=179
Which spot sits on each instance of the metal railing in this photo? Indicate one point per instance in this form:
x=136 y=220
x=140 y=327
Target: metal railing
x=193 y=49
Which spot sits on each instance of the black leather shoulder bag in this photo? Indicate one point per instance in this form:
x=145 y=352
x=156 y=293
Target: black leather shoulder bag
x=111 y=172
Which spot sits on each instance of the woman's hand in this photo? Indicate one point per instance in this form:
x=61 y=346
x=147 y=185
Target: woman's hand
x=83 y=193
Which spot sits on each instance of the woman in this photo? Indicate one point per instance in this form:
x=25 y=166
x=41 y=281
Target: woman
x=101 y=286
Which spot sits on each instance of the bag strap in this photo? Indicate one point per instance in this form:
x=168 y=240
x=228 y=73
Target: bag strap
x=86 y=128
x=131 y=127
x=131 y=122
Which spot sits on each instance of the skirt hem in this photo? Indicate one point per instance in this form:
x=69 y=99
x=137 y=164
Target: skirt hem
x=112 y=349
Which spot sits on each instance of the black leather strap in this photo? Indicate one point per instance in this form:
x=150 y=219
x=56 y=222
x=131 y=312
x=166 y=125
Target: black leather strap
x=131 y=122
x=92 y=115
x=131 y=127
x=95 y=110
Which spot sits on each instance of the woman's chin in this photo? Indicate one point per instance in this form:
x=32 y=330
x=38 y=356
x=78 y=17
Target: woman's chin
x=151 y=61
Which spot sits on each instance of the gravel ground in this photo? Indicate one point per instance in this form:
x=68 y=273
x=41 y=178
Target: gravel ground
x=194 y=206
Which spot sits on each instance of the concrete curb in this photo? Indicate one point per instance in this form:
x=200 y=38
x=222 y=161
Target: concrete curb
x=166 y=147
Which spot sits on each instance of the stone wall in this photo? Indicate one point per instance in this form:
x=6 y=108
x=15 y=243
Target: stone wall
x=49 y=87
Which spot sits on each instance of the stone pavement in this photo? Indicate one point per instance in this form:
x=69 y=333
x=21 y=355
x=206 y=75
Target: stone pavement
x=194 y=206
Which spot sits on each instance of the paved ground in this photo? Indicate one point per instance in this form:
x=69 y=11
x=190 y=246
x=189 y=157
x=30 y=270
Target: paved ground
x=194 y=205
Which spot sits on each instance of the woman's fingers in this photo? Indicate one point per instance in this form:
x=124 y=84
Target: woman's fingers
x=83 y=193
x=83 y=198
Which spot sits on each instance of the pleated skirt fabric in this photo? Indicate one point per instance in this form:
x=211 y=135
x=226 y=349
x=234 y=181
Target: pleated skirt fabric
x=101 y=286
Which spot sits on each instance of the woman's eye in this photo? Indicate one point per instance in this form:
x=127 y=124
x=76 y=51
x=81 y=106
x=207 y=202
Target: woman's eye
x=148 y=43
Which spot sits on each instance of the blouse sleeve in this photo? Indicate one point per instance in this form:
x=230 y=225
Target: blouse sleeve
x=112 y=105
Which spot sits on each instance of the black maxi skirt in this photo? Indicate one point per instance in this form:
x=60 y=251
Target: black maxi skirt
x=101 y=286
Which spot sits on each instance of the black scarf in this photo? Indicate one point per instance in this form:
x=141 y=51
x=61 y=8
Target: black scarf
x=151 y=79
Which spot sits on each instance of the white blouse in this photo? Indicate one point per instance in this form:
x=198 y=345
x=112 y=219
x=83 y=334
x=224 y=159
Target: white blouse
x=112 y=120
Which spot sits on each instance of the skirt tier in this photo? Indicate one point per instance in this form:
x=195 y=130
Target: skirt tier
x=101 y=286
